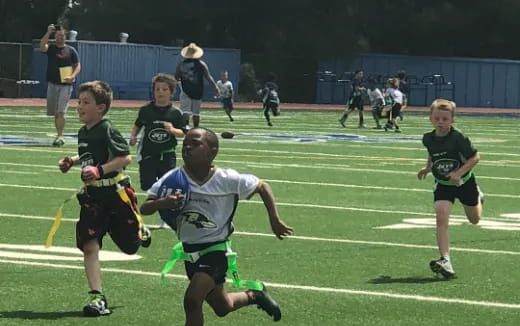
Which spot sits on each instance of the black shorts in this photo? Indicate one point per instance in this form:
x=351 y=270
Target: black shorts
x=356 y=102
x=396 y=108
x=102 y=211
x=467 y=194
x=227 y=104
x=215 y=264
x=152 y=168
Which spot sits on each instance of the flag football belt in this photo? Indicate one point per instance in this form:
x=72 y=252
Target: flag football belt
x=107 y=182
x=462 y=181
x=178 y=253
x=97 y=183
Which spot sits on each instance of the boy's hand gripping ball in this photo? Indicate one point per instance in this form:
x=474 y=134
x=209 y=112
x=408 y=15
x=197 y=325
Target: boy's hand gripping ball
x=175 y=184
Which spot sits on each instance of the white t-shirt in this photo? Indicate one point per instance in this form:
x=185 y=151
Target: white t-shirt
x=375 y=96
x=207 y=215
x=226 y=89
x=395 y=95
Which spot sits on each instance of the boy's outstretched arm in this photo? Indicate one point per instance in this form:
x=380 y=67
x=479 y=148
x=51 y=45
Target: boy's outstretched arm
x=280 y=229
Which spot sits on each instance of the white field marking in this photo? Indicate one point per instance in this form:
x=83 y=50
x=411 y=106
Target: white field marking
x=341 y=167
x=306 y=238
x=282 y=181
x=511 y=215
x=413 y=223
x=422 y=298
x=372 y=187
x=16 y=251
x=17 y=172
x=278 y=203
x=501 y=163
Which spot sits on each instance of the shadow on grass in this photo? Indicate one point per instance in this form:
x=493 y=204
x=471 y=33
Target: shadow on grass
x=385 y=279
x=34 y=315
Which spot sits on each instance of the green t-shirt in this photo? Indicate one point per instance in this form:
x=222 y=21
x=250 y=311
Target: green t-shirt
x=101 y=144
x=156 y=140
x=448 y=153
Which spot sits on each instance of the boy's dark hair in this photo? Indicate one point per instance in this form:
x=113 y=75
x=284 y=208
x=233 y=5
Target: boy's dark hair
x=101 y=92
x=210 y=136
x=401 y=74
x=357 y=71
x=165 y=78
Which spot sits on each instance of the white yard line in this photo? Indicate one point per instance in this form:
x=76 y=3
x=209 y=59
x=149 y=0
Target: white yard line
x=400 y=296
x=306 y=238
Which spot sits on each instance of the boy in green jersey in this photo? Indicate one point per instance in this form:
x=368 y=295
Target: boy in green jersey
x=108 y=201
x=451 y=158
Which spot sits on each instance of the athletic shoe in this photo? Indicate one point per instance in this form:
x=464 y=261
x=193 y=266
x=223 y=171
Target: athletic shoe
x=146 y=237
x=266 y=303
x=362 y=126
x=269 y=123
x=397 y=130
x=377 y=127
x=443 y=266
x=58 y=142
x=480 y=195
x=97 y=305
x=231 y=119
x=342 y=123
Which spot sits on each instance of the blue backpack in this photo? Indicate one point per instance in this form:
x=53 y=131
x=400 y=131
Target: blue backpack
x=176 y=182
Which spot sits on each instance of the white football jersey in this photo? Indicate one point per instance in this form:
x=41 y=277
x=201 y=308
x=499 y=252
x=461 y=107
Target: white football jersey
x=226 y=89
x=208 y=213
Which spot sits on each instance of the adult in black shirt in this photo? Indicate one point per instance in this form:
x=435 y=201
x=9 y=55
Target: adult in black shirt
x=191 y=72
x=62 y=68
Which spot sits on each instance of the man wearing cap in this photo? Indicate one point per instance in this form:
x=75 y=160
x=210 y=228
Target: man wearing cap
x=190 y=72
x=62 y=68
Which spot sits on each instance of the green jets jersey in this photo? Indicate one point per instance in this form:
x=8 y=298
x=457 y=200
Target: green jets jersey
x=448 y=153
x=101 y=144
x=156 y=140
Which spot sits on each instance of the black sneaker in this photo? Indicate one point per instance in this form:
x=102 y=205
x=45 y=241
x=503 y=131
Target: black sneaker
x=269 y=123
x=264 y=301
x=342 y=123
x=97 y=305
x=146 y=237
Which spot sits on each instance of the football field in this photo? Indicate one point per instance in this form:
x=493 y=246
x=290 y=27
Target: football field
x=364 y=226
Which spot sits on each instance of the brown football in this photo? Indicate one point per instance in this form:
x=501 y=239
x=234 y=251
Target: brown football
x=227 y=134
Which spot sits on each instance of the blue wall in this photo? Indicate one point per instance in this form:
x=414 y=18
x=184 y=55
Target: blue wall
x=117 y=63
x=475 y=82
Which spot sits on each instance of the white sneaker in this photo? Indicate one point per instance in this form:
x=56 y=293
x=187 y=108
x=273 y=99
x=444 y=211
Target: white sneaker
x=442 y=266
x=480 y=195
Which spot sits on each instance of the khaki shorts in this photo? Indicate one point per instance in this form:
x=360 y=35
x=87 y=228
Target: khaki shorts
x=189 y=106
x=58 y=97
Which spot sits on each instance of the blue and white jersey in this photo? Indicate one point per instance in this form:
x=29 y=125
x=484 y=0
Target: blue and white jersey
x=226 y=89
x=208 y=212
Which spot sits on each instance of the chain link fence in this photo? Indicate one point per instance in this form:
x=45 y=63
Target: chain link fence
x=15 y=69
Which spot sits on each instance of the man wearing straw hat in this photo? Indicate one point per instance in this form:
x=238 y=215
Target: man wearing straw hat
x=190 y=72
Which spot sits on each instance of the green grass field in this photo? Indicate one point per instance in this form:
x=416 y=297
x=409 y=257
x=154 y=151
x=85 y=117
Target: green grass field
x=364 y=227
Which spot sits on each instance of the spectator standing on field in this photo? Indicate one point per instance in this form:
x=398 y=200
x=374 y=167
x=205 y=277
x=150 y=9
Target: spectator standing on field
x=62 y=68
x=191 y=72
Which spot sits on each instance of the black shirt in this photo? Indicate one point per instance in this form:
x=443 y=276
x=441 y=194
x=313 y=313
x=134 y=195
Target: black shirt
x=100 y=144
x=191 y=73
x=448 y=153
x=66 y=56
x=156 y=139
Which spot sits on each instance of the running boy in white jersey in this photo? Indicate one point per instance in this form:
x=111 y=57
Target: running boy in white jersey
x=377 y=101
x=226 y=94
x=205 y=220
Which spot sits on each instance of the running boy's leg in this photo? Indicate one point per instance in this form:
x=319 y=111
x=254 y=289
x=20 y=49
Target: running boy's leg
x=266 y=114
x=442 y=215
x=224 y=303
x=200 y=286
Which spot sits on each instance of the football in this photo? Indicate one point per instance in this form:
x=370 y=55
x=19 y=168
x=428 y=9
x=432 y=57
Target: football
x=227 y=135
x=175 y=183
